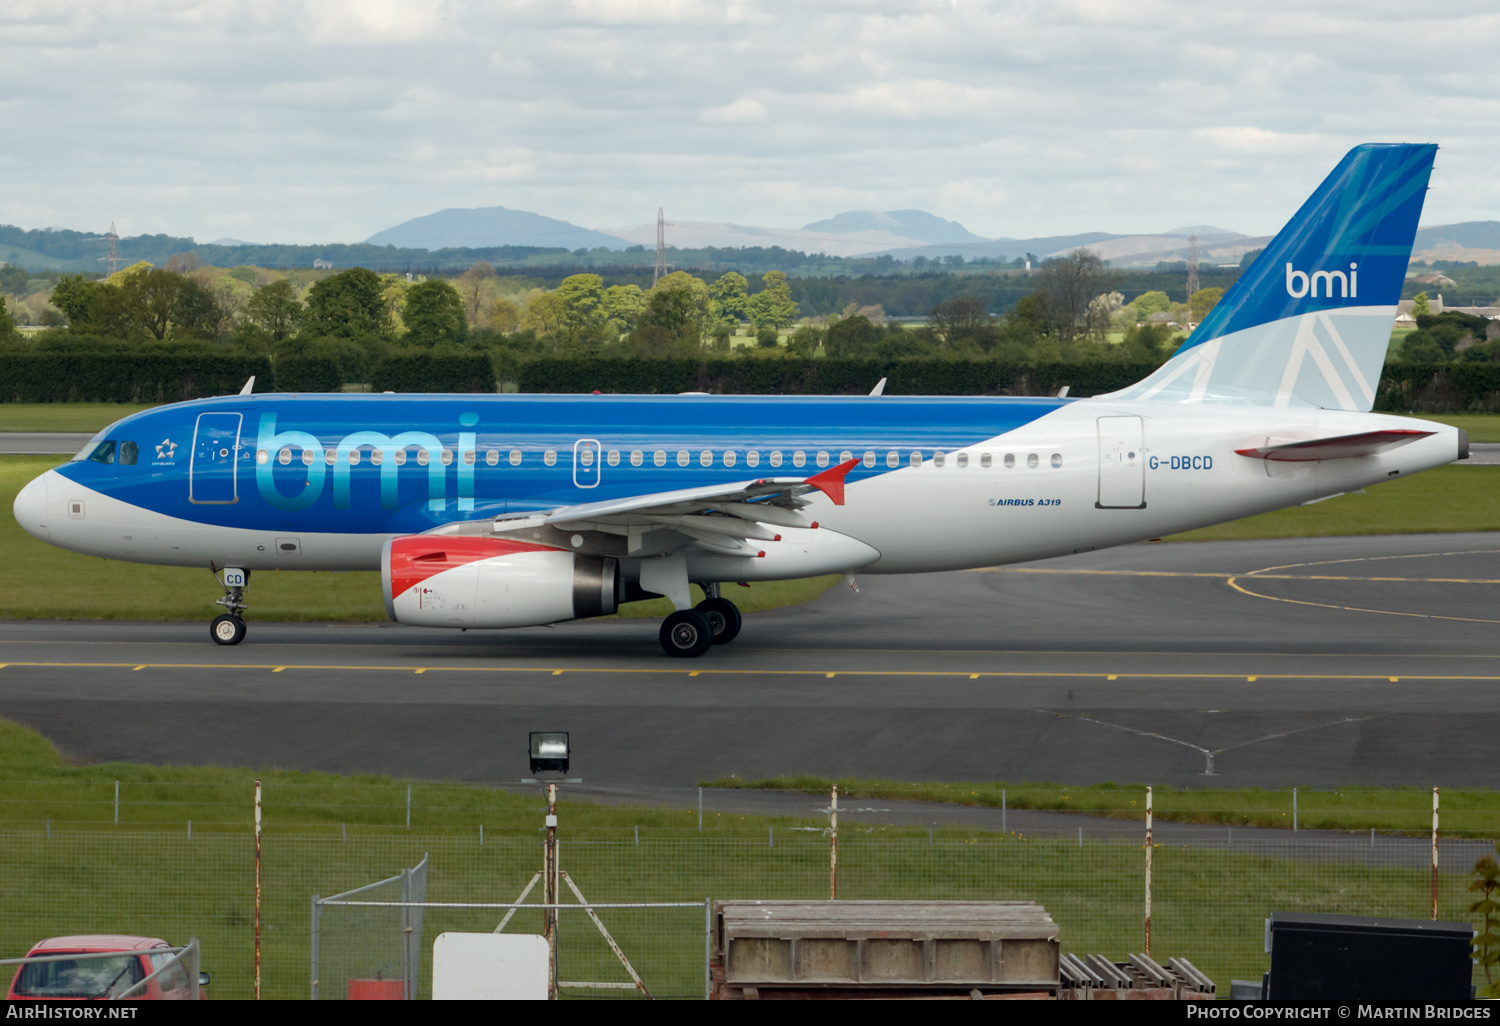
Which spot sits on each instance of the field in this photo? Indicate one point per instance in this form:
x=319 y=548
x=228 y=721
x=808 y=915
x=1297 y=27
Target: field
x=71 y=868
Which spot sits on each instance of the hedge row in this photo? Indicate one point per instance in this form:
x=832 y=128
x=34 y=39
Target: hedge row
x=1439 y=388
x=434 y=372
x=125 y=378
x=825 y=377
x=145 y=378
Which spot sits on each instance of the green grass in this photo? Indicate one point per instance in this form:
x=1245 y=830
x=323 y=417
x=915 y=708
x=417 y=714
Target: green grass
x=1452 y=498
x=1401 y=810
x=326 y=833
x=1482 y=427
x=65 y=416
x=48 y=583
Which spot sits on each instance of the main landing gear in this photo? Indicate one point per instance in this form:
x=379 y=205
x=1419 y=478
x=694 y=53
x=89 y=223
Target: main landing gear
x=229 y=627
x=688 y=633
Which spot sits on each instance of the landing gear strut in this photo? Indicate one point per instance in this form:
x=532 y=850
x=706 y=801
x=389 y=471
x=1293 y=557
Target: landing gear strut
x=229 y=627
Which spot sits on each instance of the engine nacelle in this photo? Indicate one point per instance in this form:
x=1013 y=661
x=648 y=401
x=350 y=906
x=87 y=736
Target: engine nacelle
x=453 y=581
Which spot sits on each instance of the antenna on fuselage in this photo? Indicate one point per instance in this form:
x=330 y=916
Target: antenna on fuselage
x=249 y=386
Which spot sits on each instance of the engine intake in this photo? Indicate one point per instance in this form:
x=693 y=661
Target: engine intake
x=452 y=581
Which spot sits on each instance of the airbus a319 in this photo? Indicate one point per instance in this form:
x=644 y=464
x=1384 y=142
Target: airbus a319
x=517 y=510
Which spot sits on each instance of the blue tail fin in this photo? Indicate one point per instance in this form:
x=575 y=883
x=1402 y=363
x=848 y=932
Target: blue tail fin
x=1309 y=322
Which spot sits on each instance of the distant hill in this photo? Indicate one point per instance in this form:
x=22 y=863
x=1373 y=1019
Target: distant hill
x=485 y=227
x=1464 y=235
x=911 y=224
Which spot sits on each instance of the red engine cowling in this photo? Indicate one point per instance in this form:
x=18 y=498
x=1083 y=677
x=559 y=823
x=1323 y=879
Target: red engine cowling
x=452 y=581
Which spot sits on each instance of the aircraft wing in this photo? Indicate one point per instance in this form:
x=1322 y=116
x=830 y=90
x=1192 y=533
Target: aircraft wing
x=725 y=519
x=1366 y=443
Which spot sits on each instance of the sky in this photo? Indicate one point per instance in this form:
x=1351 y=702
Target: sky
x=329 y=120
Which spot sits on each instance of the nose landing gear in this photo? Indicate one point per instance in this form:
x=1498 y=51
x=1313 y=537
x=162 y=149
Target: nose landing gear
x=229 y=627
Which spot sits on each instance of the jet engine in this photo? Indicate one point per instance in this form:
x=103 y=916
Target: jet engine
x=453 y=581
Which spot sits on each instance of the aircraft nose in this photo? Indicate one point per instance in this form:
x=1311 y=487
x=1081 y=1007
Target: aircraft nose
x=31 y=507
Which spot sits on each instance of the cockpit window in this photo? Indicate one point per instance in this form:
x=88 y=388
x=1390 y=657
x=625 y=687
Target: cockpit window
x=129 y=453
x=105 y=453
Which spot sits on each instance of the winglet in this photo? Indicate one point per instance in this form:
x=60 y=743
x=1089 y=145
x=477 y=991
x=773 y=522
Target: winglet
x=831 y=481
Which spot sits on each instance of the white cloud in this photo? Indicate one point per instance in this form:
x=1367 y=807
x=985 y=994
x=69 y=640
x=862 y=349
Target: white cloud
x=323 y=119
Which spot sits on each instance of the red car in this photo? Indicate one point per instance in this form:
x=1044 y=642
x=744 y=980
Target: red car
x=130 y=960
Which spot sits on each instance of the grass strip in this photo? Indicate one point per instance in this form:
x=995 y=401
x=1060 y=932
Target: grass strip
x=1465 y=813
x=1445 y=499
x=89 y=417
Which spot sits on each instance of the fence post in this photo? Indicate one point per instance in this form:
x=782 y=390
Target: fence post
x=1002 y=810
x=257 y=889
x=408 y=806
x=1434 y=852
x=700 y=810
x=549 y=917
x=1294 y=810
x=708 y=946
x=833 y=846
x=1148 y=872
x=317 y=916
x=117 y=803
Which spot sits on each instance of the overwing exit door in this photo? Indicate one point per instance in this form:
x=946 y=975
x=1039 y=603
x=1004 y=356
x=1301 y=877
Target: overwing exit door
x=1122 y=464
x=586 y=459
x=216 y=451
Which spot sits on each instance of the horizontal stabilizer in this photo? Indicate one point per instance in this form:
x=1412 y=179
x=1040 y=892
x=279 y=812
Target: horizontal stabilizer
x=1366 y=443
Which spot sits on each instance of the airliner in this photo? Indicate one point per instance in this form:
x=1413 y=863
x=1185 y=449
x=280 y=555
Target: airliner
x=489 y=511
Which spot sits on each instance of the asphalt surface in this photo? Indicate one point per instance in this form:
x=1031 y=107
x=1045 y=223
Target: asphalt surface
x=1308 y=662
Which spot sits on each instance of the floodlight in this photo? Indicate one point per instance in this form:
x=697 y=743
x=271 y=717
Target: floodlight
x=549 y=751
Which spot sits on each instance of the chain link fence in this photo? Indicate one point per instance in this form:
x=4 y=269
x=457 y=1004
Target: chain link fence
x=1210 y=892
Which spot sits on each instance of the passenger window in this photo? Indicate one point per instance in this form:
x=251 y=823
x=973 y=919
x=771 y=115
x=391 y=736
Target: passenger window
x=377 y=456
x=916 y=457
x=400 y=457
x=752 y=459
x=515 y=457
x=129 y=453
x=1031 y=460
x=637 y=457
x=330 y=457
x=659 y=458
x=845 y=456
x=706 y=457
x=492 y=458
x=446 y=456
x=468 y=457
x=822 y=459
x=308 y=457
x=1010 y=460
x=262 y=457
x=729 y=458
x=550 y=457
x=682 y=457
x=869 y=459
x=423 y=457
x=985 y=460
x=776 y=458
x=937 y=459
x=613 y=458
x=798 y=459
x=1056 y=460
x=893 y=458
x=963 y=459
x=105 y=453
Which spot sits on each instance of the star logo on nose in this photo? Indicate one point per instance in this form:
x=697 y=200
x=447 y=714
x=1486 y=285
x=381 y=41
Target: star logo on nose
x=167 y=450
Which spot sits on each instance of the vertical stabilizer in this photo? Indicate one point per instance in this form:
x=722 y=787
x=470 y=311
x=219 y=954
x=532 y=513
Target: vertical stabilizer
x=1309 y=322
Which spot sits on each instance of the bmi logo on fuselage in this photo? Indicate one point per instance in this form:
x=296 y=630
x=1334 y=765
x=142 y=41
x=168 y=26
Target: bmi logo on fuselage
x=1300 y=283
